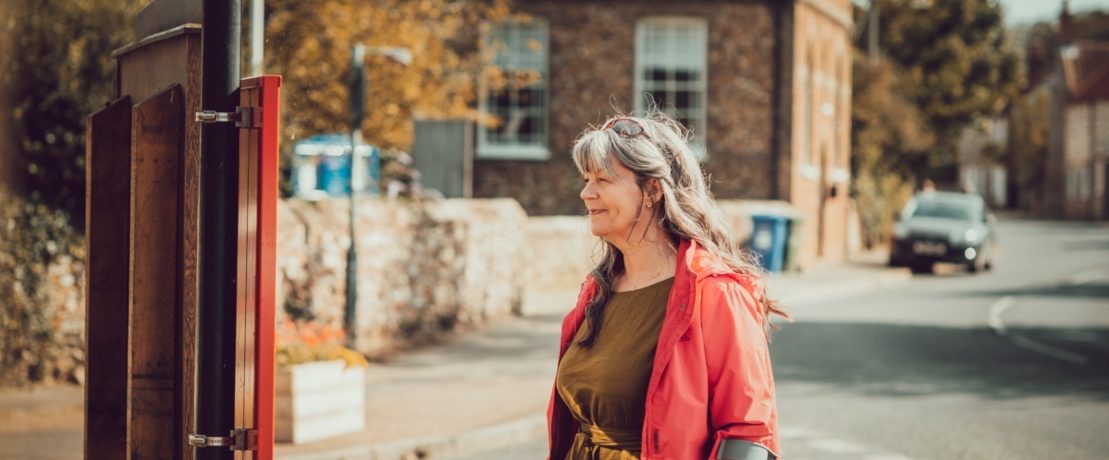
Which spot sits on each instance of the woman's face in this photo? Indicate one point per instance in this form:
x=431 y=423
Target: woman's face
x=614 y=200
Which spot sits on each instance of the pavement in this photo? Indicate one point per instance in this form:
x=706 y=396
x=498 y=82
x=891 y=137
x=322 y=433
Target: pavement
x=473 y=392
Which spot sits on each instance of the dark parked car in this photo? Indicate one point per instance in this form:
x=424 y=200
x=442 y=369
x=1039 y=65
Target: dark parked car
x=944 y=227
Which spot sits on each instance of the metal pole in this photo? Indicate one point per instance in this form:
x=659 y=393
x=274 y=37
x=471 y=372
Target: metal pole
x=357 y=105
x=872 y=32
x=219 y=165
x=257 y=36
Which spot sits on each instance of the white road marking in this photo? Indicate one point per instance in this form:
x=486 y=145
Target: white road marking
x=1047 y=350
x=1087 y=276
x=995 y=313
x=1007 y=302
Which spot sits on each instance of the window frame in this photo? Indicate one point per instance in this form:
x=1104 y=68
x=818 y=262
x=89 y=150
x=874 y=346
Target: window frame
x=489 y=150
x=699 y=142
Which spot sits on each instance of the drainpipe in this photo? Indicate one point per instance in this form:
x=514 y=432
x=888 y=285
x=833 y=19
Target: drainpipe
x=219 y=165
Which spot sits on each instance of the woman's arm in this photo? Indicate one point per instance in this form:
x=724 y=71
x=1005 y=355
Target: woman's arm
x=742 y=410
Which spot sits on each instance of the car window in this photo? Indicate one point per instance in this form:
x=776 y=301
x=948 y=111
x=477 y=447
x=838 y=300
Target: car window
x=943 y=210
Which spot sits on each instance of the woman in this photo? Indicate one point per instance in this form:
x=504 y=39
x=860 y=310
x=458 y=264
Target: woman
x=665 y=355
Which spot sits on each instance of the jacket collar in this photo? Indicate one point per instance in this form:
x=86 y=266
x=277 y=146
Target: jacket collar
x=697 y=263
x=702 y=264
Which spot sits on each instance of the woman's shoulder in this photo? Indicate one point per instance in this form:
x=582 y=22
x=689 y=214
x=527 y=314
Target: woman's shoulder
x=752 y=283
x=732 y=291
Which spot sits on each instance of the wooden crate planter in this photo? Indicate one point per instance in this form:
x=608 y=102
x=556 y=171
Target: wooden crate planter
x=319 y=400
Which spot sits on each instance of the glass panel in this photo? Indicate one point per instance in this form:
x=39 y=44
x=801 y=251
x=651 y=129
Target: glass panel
x=655 y=74
x=682 y=99
x=521 y=53
x=658 y=98
x=671 y=68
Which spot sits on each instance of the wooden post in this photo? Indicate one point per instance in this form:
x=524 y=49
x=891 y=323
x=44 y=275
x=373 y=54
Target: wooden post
x=155 y=384
x=107 y=248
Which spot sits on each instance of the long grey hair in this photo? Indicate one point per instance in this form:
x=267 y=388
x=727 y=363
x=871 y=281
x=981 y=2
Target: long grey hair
x=685 y=211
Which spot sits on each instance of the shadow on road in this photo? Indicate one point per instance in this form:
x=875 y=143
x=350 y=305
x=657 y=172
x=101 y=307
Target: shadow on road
x=1087 y=245
x=1099 y=290
x=894 y=360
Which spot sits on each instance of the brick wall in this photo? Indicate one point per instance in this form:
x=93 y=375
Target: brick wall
x=592 y=51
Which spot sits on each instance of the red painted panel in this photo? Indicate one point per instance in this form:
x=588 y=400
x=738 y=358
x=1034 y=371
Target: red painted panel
x=267 y=264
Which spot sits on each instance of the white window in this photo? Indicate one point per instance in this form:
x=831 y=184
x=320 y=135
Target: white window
x=670 y=67
x=514 y=92
x=1072 y=184
x=807 y=110
x=1085 y=183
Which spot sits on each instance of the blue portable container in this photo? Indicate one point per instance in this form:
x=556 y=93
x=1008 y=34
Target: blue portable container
x=768 y=240
x=322 y=167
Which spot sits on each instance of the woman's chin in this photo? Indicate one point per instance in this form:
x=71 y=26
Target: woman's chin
x=598 y=230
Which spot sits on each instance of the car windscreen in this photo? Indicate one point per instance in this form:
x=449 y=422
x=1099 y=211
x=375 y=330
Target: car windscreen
x=944 y=210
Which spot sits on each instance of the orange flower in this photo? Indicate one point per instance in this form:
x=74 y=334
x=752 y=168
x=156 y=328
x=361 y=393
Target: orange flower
x=313 y=341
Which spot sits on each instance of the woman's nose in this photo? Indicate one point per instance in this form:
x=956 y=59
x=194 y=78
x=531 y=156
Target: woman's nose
x=587 y=192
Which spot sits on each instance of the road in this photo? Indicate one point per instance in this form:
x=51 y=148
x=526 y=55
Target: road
x=1010 y=364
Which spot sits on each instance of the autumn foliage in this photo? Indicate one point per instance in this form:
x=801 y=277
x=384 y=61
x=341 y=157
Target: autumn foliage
x=309 y=44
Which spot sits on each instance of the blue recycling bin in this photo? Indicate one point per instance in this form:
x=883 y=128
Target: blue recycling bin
x=333 y=175
x=322 y=166
x=768 y=240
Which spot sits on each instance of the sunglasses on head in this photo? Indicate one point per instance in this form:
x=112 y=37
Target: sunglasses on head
x=626 y=127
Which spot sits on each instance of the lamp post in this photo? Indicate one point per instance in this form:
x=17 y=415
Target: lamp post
x=357 y=107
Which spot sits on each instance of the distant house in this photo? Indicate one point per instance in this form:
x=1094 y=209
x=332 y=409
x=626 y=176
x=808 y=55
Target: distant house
x=980 y=169
x=1079 y=152
x=764 y=84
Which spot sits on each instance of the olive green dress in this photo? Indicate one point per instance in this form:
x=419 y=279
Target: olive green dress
x=605 y=386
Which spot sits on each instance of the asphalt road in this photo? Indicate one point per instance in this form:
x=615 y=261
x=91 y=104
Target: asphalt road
x=1010 y=364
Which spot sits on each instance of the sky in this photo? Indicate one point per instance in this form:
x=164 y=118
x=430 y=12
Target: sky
x=1029 y=11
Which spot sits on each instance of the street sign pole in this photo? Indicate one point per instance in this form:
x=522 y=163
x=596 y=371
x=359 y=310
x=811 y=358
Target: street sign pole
x=357 y=105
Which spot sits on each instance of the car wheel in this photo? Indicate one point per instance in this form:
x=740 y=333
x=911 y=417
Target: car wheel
x=978 y=264
x=921 y=267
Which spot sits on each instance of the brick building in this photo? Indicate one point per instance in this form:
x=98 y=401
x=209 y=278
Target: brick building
x=765 y=85
x=1078 y=156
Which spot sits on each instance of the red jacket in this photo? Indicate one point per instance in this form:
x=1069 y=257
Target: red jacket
x=712 y=363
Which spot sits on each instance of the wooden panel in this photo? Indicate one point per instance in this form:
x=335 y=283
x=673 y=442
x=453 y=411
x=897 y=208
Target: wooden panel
x=245 y=314
x=318 y=400
x=158 y=150
x=256 y=263
x=107 y=224
x=148 y=67
x=190 y=245
x=143 y=69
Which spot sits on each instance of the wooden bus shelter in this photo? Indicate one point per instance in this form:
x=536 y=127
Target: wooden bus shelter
x=145 y=175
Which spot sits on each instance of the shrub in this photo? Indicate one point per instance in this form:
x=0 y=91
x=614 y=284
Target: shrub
x=41 y=305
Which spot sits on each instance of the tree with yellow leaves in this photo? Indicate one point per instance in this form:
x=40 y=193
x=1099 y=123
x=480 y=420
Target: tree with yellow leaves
x=308 y=42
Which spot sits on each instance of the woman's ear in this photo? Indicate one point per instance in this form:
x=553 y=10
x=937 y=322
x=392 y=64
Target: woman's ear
x=654 y=190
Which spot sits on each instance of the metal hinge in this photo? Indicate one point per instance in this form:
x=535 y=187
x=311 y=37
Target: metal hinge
x=244 y=117
x=240 y=439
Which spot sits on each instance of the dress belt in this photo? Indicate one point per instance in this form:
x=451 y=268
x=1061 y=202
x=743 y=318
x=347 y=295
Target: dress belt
x=611 y=438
